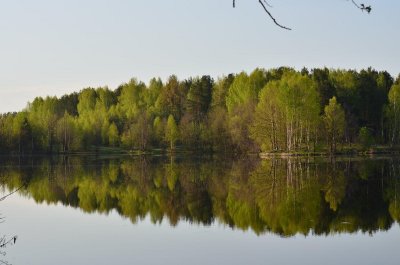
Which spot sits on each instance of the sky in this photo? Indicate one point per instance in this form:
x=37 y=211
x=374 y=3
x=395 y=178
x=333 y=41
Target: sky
x=54 y=47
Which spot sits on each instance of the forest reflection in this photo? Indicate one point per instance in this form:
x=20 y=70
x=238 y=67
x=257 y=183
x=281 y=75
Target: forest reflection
x=281 y=196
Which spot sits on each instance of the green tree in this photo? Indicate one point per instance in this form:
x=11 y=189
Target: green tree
x=158 y=129
x=138 y=133
x=113 y=135
x=131 y=100
x=220 y=90
x=277 y=109
x=22 y=133
x=241 y=101
x=393 y=114
x=128 y=136
x=7 y=133
x=334 y=120
x=151 y=94
x=199 y=97
x=346 y=84
x=244 y=89
x=171 y=99
x=66 y=131
x=287 y=114
x=266 y=129
x=219 y=129
x=87 y=101
x=324 y=86
x=171 y=132
x=43 y=115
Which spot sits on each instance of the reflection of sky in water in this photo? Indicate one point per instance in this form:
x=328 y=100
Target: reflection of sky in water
x=57 y=234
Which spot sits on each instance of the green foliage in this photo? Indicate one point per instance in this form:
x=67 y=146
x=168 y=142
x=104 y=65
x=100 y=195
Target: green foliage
x=22 y=132
x=220 y=90
x=334 y=120
x=219 y=130
x=239 y=92
x=171 y=99
x=244 y=89
x=287 y=114
x=158 y=129
x=273 y=110
x=199 y=97
x=87 y=101
x=67 y=133
x=113 y=136
x=324 y=86
x=151 y=94
x=171 y=132
x=241 y=100
x=393 y=114
x=43 y=115
x=131 y=100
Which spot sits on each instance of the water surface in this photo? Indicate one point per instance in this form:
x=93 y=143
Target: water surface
x=155 y=210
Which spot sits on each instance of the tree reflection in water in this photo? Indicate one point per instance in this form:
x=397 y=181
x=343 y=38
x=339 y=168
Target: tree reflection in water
x=283 y=196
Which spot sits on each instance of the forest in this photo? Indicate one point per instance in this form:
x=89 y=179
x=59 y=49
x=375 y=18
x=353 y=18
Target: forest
x=275 y=110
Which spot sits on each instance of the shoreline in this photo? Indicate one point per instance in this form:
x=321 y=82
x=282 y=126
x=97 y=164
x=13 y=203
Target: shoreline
x=116 y=151
x=353 y=152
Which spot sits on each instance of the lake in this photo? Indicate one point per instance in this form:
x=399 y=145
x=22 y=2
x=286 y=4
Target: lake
x=200 y=210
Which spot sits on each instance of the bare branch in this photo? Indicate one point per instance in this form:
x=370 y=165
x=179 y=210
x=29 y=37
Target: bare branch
x=273 y=19
x=362 y=7
x=4 y=242
x=265 y=2
x=4 y=197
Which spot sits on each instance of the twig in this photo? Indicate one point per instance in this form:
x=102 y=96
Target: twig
x=362 y=7
x=4 y=197
x=10 y=241
x=265 y=2
x=273 y=19
x=356 y=4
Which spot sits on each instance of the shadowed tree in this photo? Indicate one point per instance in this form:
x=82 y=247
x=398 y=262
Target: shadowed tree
x=199 y=97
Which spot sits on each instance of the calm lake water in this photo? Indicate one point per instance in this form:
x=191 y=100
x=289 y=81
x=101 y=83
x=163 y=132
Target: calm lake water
x=155 y=210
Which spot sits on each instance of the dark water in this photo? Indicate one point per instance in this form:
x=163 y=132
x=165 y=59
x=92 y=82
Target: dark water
x=148 y=210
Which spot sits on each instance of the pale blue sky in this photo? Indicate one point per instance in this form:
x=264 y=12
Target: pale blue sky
x=53 y=47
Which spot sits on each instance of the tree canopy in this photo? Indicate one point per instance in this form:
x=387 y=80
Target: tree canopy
x=281 y=110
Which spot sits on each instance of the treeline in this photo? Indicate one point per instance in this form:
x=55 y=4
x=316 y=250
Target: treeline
x=279 y=110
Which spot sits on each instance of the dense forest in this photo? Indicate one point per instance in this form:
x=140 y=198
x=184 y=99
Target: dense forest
x=279 y=110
